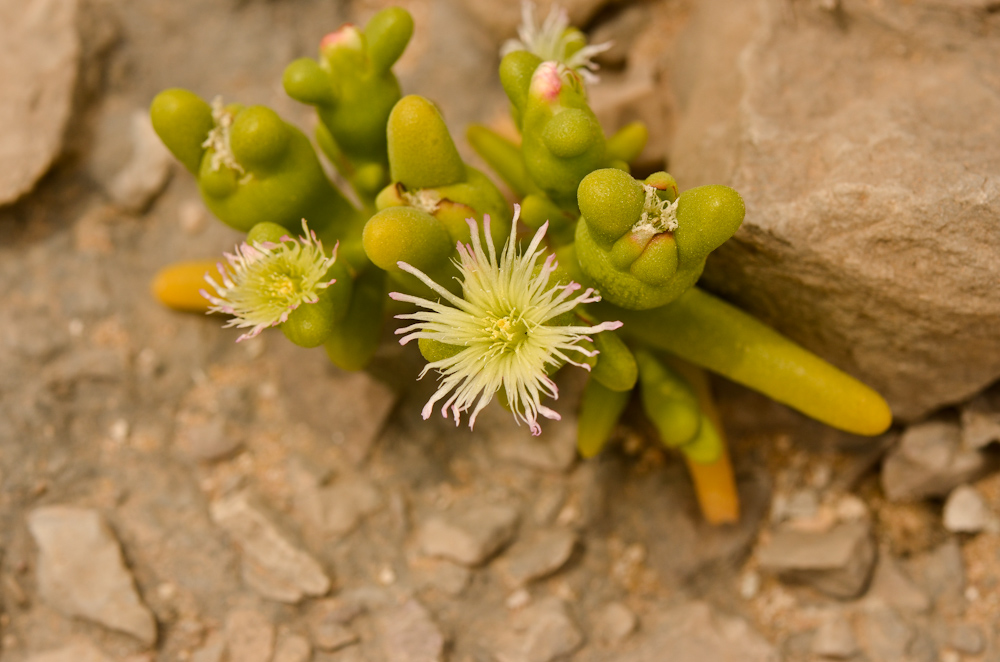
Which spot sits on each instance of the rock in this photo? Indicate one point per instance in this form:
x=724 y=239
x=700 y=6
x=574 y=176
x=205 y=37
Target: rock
x=540 y=633
x=884 y=636
x=838 y=562
x=39 y=62
x=981 y=420
x=941 y=574
x=967 y=638
x=693 y=632
x=79 y=652
x=922 y=648
x=965 y=511
x=470 y=533
x=272 y=565
x=81 y=571
x=346 y=502
x=835 y=638
x=210 y=422
x=147 y=172
x=445 y=576
x=930 y=462
x=327 y=621
x=213 y=650
x=408 y=634
x=827 y=134
x=554 y=450
x=249 y=636
x=293 y=648
x=893 y=587
x=363 y=402
x=538 y=556
x=613 y=623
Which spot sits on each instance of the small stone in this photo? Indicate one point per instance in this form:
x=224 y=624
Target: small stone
x=80 y=652
x=750 y=585
x=409 y=634
x=885 y=637
x=272 y=565
x=941 y=573
x=208 y=422
x=445 y=576
x=891 y=585
x=967 y=638
x=538 y=556
x=930 y=462
x=980 y=423
x=965 y=511
x=694 y=632
x=347 y=502
x=922 y=648
x=470 y=533
x=518 y=599
x=838 y=562
x=850 y=508
x=193 y=217
x=213 y=650
x=327 y=622
x=835 y=638
x=613 y=623
x=802 y=505
x=540 y=633
x=38 y=70
x=81 y=571
x=293 y=648
x=553 y=451
x=147 y=172
x=249 y=636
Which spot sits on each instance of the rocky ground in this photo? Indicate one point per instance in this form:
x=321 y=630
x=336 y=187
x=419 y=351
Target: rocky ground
x=166 y=494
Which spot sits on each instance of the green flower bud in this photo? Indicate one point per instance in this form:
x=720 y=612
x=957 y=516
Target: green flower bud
x=183 y=121
x=644 y=245
x=421 y=151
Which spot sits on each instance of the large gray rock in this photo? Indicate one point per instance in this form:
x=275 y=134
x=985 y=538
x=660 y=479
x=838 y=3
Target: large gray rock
x=39 y=58
x=81 y=571
x=864 y=143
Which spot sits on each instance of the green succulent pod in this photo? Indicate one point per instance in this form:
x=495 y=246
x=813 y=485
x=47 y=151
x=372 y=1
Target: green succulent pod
x=406 y=234
x=616 y=368
x=353 y=89
x=668 y=400
x=503 y=156
x=310 y=325
x=627 y=143
x=716 y=335
x=430 y=177
x=643 y=244
x=252 y=167
x=562 y=140
x=356 y=336
x=600 y=409
x=516 y=70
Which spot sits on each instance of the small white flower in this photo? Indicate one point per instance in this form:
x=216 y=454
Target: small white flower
x=503 y=323
x=550 y=41
x=658 y=215
x=266 y=281
x=218 y=138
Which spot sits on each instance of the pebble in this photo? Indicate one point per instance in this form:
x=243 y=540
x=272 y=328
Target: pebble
x=835 y=638
x=192 y=217
x=750 y=585
x=272 y=565
x=695 y=632
x=941 y=573
x=38 y=74
x=541 y=632
x=885 y=637
x=930 y=462
x=249 y=636
x=965 y=511
x=347 y=502
x=327 y=621
x=81 y=571
x=553 y=451
x=146 y=173
x=470 y=533
x=537 y=556
x=292 y=648
x=78 y=652
x=213 y=650
x=850 y=508
x=967 y=638
x=445 y=576
x=613 y=623
x=838 y=562
x=980 y=423
x=408 y=634
x=891 y=585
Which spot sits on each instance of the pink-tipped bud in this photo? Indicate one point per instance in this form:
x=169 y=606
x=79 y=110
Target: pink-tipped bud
x=547 y=82
x=347 y=37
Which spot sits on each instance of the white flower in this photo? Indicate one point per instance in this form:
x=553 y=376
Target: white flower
x=551 y=42
x=218 y=137
x=503 y=323
x=264 y=281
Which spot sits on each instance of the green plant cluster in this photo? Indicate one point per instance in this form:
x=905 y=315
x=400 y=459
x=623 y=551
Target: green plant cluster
x=641 y=243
